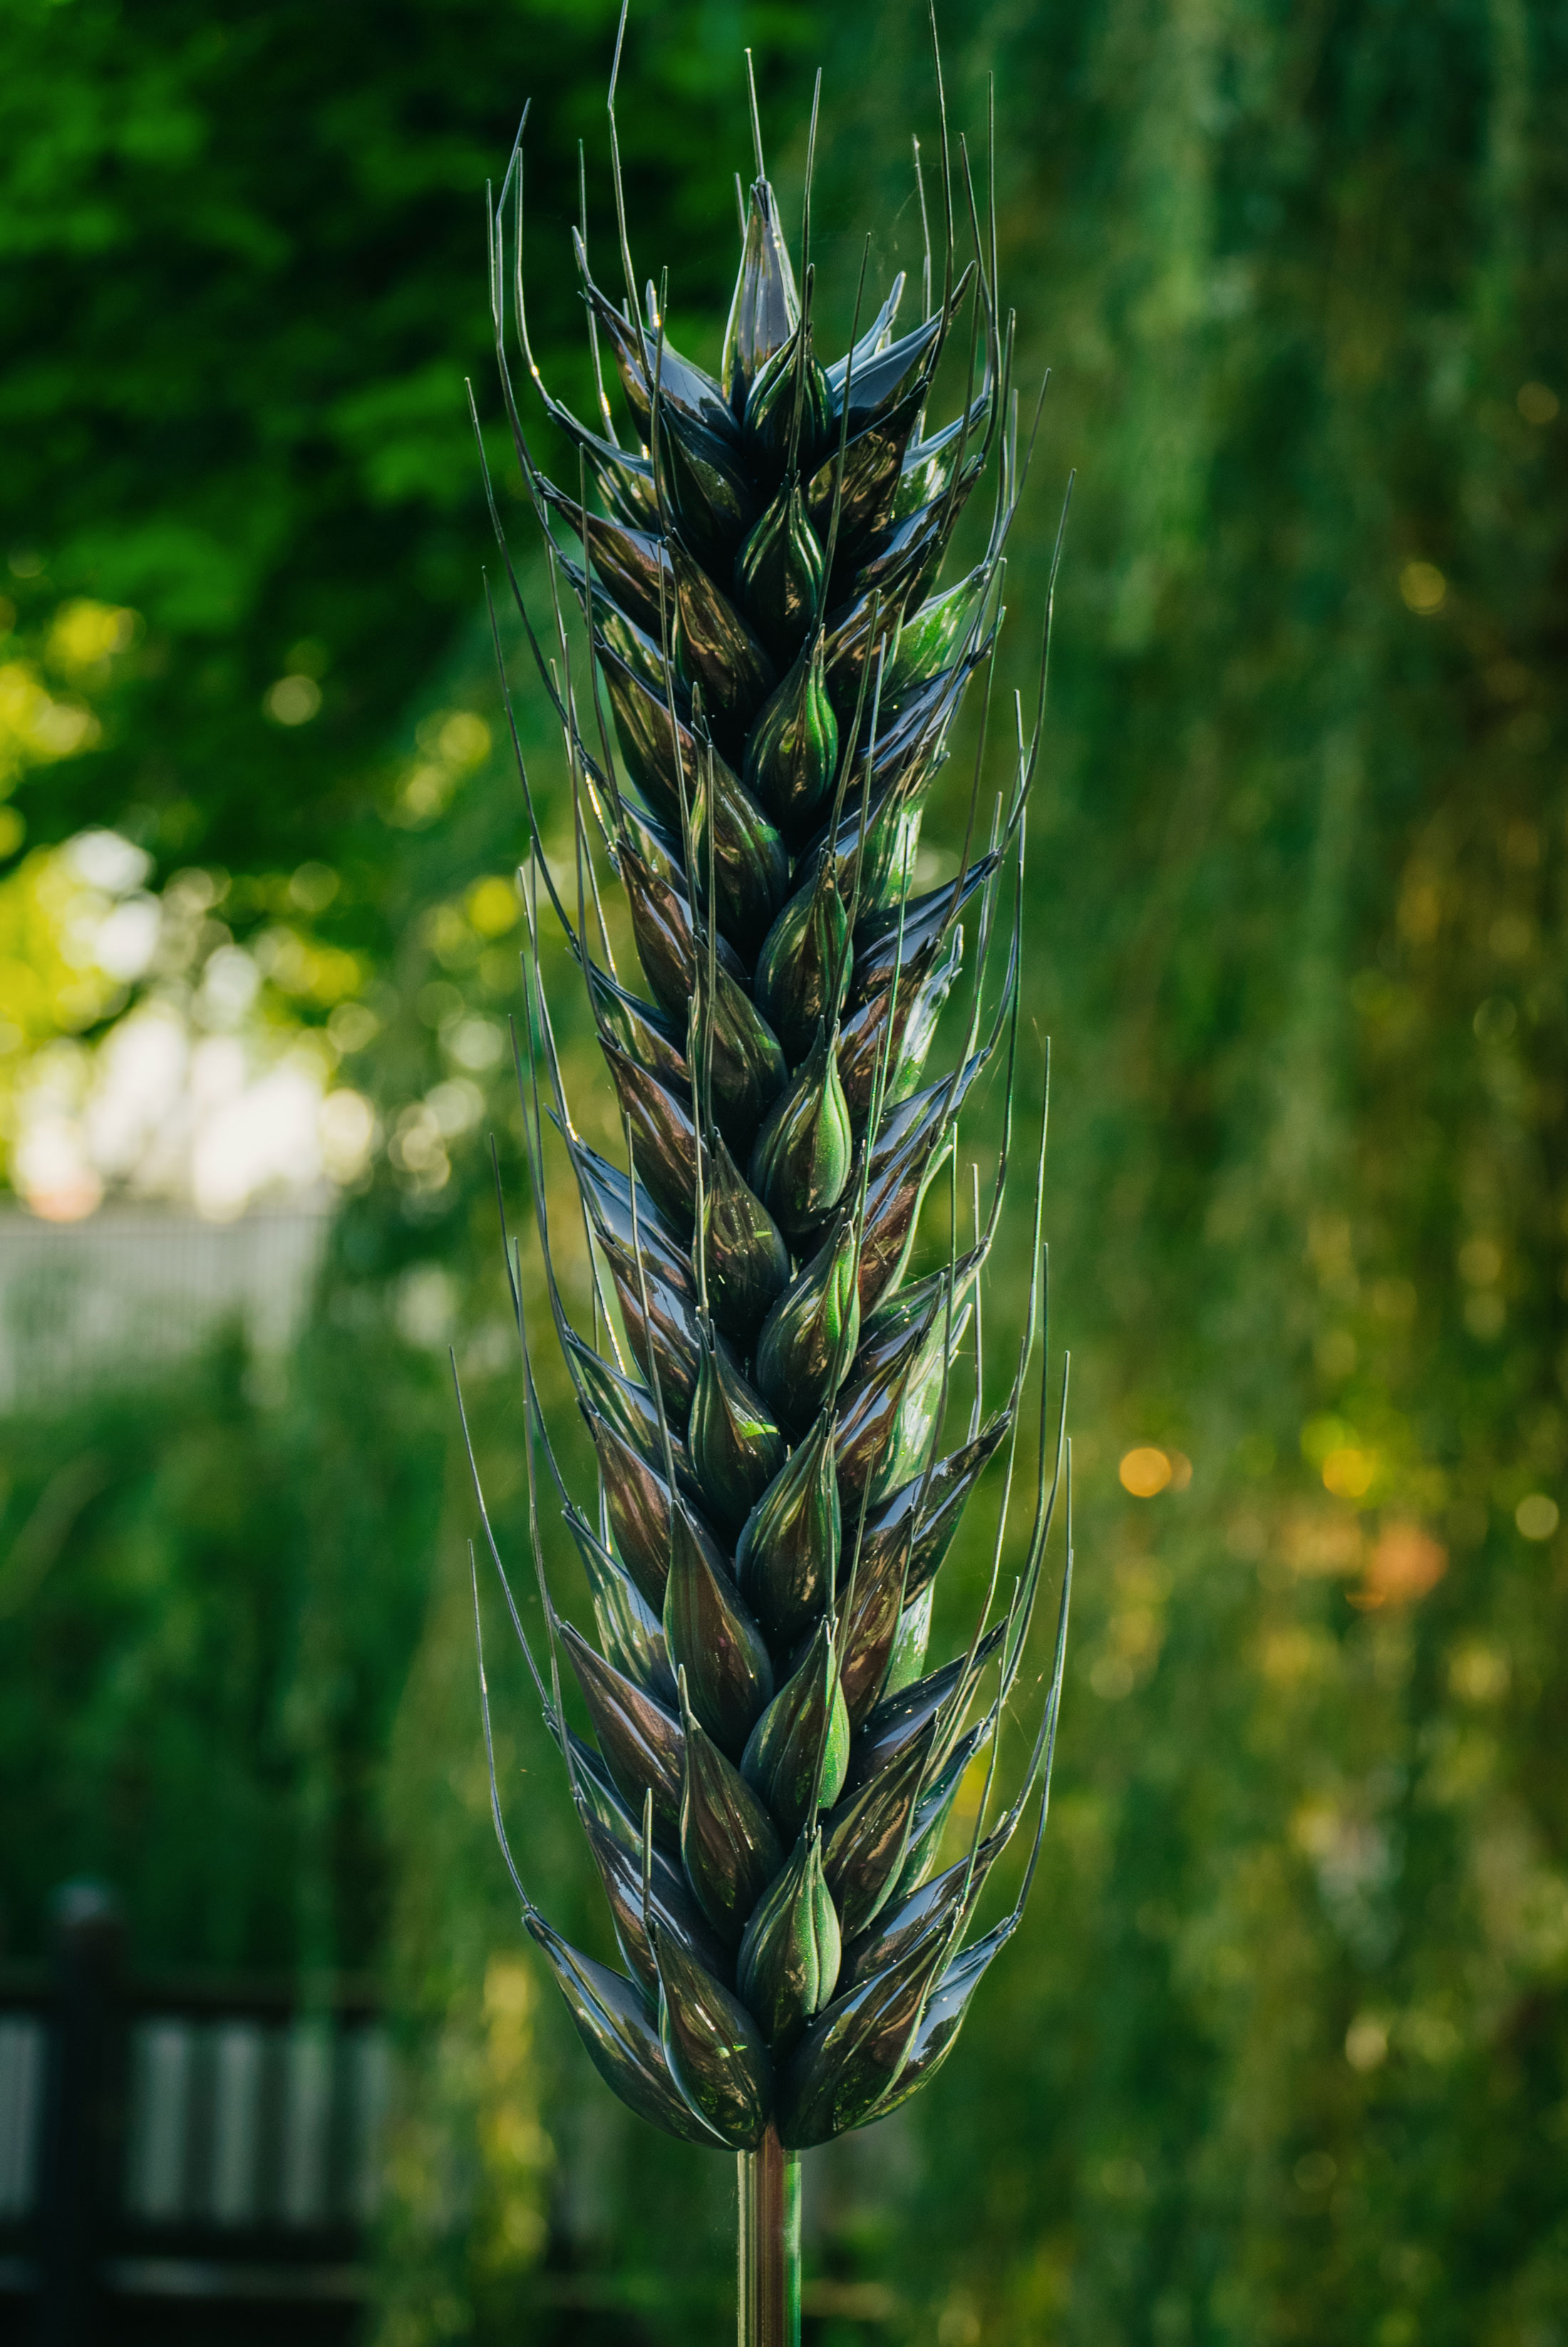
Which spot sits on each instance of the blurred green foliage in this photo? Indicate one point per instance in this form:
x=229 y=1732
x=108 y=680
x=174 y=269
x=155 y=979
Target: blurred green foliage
x=244 y=281
x=208 y=1605
x=1281 y=2053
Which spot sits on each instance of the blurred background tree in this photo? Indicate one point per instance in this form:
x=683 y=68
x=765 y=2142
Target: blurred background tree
x=1282 y=2053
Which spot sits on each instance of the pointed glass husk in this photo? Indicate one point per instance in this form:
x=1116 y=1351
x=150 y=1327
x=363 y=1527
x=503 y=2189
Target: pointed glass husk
x=893 y=1199
x=865 y=1837
x=716 y=649
x=913 y=1635
x=786 y=1558
x=766 y=305
x=788 y=407
x=901 y=1718
x=637 y=1496
x=877 y=859
x=662 y=928
x=927 y=1515
x=644 y=1032
x=620 y=2041
x=598 y=1792
x=883 y=1044
x=904 y=1921
x=643 y=358
x=855 y=637
x=712 y=1638
x=629 y=646
x=749 y=861
x=594 y=1788
x=704 y=486
x=799 y=1748
x=716 y=2052
x=792 y=755
x=628 y=824
x=735 y=1057
x=802 y=971
x=729 y=1844
x=926 y=1119
x=906 y=940
x=788 y=1965
x=660 y=1319
x=639 y=1740
x=631 y=1633
x=658 y=747
x=735 y=1446
x=747 y=1259
x=626 y=1403
x=871 y=476
x=616 y=1204
x=664 y=1137
x=779 y=577
x=813 y=1329
x=905 y=1316
x=878 y=384
x=629 y=564
x=624 y=479
x=946 y=2010
x=853 y=2052
x=889 y=1409
x=930 y=637
x=933 y=1811
x=800 y=1162
x=910 y=550
x=664 y=1897
x=931 y=464
x=871 y=1625
x=876 y=337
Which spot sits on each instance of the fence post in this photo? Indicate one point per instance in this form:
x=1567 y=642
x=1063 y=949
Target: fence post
x=81 y=2114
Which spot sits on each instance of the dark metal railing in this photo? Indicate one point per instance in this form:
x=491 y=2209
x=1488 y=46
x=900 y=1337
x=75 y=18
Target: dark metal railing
x=180 y=2140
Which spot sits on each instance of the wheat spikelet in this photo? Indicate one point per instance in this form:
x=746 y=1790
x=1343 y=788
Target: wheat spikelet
x=776 y=677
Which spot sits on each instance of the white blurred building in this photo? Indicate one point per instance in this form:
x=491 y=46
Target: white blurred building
x=142 y=1284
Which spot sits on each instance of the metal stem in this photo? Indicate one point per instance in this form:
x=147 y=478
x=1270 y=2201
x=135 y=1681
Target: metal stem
x=768 y=2243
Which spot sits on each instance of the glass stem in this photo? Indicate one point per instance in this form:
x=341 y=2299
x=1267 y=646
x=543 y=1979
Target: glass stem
x=768 y=2280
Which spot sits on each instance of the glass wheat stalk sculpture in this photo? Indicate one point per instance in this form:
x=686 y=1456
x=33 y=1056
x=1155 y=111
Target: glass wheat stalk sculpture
x=775 y=680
